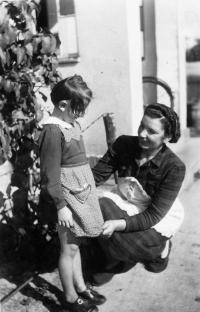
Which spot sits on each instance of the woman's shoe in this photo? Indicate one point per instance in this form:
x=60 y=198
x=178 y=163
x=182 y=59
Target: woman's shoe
x=159 y=264
x=92 y=295
x=80 y=305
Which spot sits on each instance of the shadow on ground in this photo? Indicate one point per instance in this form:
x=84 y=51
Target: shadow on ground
x=20 y=261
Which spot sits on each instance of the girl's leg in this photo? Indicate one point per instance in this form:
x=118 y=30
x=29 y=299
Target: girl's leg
x=79 y=282
x=65 y=265
x=88 y=292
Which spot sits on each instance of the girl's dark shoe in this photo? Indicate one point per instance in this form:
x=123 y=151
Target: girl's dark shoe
x=80 y=305
x=92 y=296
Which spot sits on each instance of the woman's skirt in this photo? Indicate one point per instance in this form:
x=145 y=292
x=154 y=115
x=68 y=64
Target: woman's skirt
x=124 y=250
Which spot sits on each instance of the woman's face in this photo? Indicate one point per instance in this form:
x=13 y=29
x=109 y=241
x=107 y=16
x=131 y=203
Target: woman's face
x=151 y=134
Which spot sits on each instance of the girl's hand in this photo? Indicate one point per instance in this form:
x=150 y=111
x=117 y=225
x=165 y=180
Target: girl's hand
x=65 y=217
x=111 y=226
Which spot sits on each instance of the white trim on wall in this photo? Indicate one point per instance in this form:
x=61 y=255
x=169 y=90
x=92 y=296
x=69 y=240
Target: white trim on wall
x=135 y=62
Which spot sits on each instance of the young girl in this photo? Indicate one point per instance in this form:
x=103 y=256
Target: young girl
x=66 y=179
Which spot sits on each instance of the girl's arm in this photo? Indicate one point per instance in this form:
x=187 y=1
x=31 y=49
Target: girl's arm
x=161 y=202
x=50 y=161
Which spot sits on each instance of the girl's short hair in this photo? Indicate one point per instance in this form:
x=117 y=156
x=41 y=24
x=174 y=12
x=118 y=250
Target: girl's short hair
x=75 y=90
x=169 y=119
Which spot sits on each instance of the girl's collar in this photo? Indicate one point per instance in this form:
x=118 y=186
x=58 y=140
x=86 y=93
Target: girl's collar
x=56 y=121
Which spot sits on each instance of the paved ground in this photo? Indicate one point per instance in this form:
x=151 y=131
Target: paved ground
x=177 y=289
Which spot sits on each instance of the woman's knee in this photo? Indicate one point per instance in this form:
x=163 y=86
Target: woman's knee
x=110 y=210
x=103 y=205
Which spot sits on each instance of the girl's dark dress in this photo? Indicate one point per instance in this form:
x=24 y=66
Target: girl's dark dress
x=161 y=178
x=66 y=178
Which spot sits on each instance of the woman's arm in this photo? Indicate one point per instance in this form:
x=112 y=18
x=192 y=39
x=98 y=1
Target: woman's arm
x=161 y=202
x=107 y=165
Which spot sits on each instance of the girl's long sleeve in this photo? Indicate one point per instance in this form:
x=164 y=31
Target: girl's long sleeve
x=50 y=162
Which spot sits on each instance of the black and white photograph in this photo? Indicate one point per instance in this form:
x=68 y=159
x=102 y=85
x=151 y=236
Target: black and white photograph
x=99 y=155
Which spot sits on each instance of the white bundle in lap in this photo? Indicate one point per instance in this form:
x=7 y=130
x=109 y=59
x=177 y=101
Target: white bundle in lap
x=129 y=196
x=130 y=189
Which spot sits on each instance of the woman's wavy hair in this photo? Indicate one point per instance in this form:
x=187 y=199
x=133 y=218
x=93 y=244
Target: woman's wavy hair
x=169 y=119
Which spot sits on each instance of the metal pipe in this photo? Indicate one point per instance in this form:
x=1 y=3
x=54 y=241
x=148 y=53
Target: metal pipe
x=17 y=289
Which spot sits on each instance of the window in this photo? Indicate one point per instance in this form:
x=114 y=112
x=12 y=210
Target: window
x=59 y=17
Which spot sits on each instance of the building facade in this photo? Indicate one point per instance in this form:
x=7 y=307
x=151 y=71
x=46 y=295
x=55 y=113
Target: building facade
x=113 y=44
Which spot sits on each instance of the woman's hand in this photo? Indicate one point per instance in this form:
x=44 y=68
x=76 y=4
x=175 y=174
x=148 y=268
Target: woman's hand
x=111 y=226
x=65 y=217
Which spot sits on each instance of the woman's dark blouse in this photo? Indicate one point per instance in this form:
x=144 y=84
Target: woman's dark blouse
x=161 y=178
